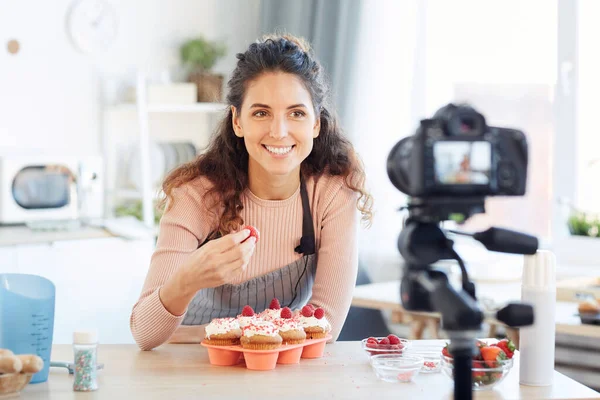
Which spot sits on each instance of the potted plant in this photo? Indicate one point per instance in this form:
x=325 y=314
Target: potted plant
x=199 y=56
x=584 y=224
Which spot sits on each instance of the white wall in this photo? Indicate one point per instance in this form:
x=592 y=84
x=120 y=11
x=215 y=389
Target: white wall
x=49 y=92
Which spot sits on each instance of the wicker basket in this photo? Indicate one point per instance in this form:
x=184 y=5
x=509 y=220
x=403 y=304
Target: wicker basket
x=210 y=86
x=12 y=384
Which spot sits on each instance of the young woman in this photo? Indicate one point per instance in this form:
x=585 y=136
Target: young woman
x=280 y=163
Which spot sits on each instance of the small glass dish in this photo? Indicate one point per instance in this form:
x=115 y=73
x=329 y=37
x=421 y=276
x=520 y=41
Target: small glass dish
x=432 y=357
x=486 y=374
x=385 y=348
x=396 y=367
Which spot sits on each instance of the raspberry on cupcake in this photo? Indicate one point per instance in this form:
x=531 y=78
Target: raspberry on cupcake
x=223 y=332
x=261 y=335
x=289 y=329
x=246 y=317
x=314 y=322
x=272 y=312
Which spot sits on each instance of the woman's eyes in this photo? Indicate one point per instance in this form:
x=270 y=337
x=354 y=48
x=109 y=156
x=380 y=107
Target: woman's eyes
x=294 y=114
x=260 y=114
x=298 y=114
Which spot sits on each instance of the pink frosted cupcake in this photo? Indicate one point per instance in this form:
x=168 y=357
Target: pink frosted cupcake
x=246 y=317
x=314 y=322
x=223 y=332
x=261 y=335
x=272 y=312
x=289 y=329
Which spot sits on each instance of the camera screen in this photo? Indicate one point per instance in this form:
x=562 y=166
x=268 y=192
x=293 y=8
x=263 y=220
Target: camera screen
x=462 y=163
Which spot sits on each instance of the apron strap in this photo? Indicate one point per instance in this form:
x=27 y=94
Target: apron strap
x=307 y=241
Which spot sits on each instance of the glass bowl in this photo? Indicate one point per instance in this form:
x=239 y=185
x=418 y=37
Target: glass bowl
x=432 y=357
x=385 y=349
x=486 y=374
x=396 y=367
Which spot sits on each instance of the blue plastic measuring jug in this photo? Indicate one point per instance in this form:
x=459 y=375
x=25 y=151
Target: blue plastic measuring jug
x=27 y=317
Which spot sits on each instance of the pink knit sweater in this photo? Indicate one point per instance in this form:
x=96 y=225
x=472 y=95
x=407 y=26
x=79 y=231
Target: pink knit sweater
x=187 y=224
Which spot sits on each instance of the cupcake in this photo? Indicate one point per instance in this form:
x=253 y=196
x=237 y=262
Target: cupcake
x=289 y=329
x=261 y=335
x=223 y=332
x=314 y=322
x=589 y=306
x=246 y=317
x=273 y=312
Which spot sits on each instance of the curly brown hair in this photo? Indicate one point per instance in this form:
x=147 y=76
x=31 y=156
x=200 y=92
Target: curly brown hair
x=225 y=161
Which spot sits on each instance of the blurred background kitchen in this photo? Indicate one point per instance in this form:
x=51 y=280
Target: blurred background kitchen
x=100 y=99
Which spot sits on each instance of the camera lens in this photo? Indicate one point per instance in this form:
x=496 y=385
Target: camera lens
x=396 y=161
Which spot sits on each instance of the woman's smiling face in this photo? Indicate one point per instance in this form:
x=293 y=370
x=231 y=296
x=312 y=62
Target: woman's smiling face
x=278 y=123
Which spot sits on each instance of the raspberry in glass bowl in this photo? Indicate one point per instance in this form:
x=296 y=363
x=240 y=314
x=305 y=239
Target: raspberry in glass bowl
x=390 y=344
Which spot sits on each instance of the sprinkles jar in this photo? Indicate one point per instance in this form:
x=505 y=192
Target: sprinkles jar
x=85 y=346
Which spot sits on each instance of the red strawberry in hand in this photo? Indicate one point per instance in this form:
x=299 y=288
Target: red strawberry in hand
x=274 y=305
x=307 y=311
x=507 y=346
x=247 y=311
x=253 y=232
x=286 y=313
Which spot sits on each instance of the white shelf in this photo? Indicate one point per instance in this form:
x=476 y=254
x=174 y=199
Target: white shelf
x=142 y=110
x=175 y=108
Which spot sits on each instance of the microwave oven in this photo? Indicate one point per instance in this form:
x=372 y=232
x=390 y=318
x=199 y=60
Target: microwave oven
x=44 y=188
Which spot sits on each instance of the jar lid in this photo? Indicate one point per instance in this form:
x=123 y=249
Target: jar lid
x=85 y=337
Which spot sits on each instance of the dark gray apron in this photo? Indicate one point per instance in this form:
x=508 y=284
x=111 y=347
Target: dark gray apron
x=291 y=284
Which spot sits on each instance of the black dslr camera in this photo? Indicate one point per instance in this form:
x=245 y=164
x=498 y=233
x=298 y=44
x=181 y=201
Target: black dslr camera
x=456 y=156
x=447 y=168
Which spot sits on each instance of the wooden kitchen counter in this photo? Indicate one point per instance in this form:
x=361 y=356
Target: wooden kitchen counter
x=178 y=371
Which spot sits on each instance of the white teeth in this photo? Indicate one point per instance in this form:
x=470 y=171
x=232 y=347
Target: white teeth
x=279 y=150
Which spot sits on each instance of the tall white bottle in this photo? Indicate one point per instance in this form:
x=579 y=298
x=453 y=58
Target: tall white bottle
x=537 y=341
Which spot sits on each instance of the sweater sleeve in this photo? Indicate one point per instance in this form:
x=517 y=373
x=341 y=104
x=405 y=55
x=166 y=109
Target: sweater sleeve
x=337 y=259
x=182 y=228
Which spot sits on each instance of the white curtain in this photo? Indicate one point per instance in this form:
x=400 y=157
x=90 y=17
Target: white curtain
x=381 y=113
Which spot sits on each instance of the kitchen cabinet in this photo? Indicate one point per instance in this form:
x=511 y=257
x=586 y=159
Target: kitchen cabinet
x=97 y=282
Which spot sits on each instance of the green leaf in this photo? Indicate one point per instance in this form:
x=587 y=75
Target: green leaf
x=200 y=54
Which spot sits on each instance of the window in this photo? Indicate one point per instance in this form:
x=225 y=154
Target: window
x=501 y=57
x=587 y=197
